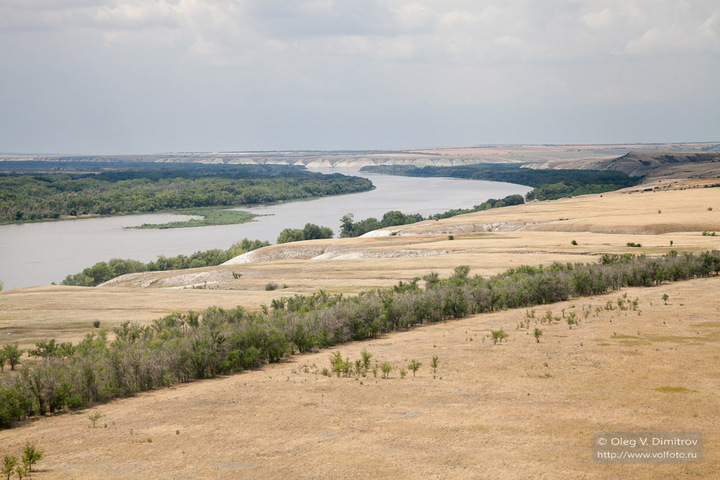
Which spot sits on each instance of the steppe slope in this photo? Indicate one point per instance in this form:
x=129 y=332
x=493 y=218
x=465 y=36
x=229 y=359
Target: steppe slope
x=514 y=411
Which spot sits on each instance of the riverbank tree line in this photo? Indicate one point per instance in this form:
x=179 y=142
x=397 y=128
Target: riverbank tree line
x=393 y=218
x=153 y=187
x=103 y=271
x=549 y=184
x=184 y=347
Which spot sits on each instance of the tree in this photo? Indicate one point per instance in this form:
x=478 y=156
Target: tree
x=309 y=232
x=312 y=232
x=347 y=227
x=498 y=335
x=31 y=456
x=12 y=355
x=537 y=333
x=8 y=466
x=414 y=366
x=290 y=235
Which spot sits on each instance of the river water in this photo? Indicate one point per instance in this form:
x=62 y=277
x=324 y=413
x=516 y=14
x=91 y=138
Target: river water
x=42 y=253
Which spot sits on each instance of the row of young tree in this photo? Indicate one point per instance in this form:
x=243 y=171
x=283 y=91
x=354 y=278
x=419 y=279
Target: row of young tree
x=184 y=347
x=150 y=188
x=103 y=271
x=350 y=228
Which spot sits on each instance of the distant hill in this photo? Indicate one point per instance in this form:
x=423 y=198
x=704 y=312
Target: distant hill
x=654 y=165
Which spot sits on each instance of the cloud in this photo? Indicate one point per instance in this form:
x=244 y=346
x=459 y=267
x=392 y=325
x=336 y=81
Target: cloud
x=454 y=30
x=226 y=59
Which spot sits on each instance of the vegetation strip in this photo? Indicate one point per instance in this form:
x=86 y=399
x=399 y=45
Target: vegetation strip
x=103 y=271
x=139 y=188
x=183 y=347
x=550 y=184
x=210 y=217
x=393 y=218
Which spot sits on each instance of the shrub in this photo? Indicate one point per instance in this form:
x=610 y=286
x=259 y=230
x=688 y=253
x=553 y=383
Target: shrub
x=434 y=364
x=94 y=418
x=12 y=355
x=8 y=466
x=366 y=356
x=498 y=336
x=31 y=456
x=414 y=366
x=271 y=286
x=537 y=334
x=386 y=368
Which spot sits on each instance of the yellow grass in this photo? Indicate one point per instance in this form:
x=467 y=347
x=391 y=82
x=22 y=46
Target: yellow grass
x=494 y=411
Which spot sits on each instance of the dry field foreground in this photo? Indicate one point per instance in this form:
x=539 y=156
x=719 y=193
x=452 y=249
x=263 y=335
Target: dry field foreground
x=517 y=410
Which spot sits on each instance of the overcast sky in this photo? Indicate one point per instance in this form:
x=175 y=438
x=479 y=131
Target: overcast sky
x=133 y=76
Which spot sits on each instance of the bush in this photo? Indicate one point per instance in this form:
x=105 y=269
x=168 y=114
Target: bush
x=12 y=354
x=498 y=336
x=537 y=334
x=309 y=232
x=31 y=456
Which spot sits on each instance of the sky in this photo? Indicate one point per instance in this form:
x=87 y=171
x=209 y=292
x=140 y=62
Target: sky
x=149 y=76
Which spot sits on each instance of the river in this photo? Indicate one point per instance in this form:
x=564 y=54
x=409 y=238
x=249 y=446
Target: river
x=41 y=253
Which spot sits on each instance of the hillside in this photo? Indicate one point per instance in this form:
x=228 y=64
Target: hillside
x=551 y=156
x=658 y=165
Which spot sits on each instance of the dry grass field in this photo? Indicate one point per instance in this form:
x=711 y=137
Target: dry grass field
x=517 y=410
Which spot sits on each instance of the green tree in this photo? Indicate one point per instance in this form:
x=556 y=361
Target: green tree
x=313 y=232
x=537 y=333
x=498 y=335
x=347 y=226
x=8 y=466
x=31 y=455
x=290 y=235
x=12 y=355
x=414 y=366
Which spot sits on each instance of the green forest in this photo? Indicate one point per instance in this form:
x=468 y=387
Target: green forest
x=184 y=347
x=150 y=187
x=549 y=184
